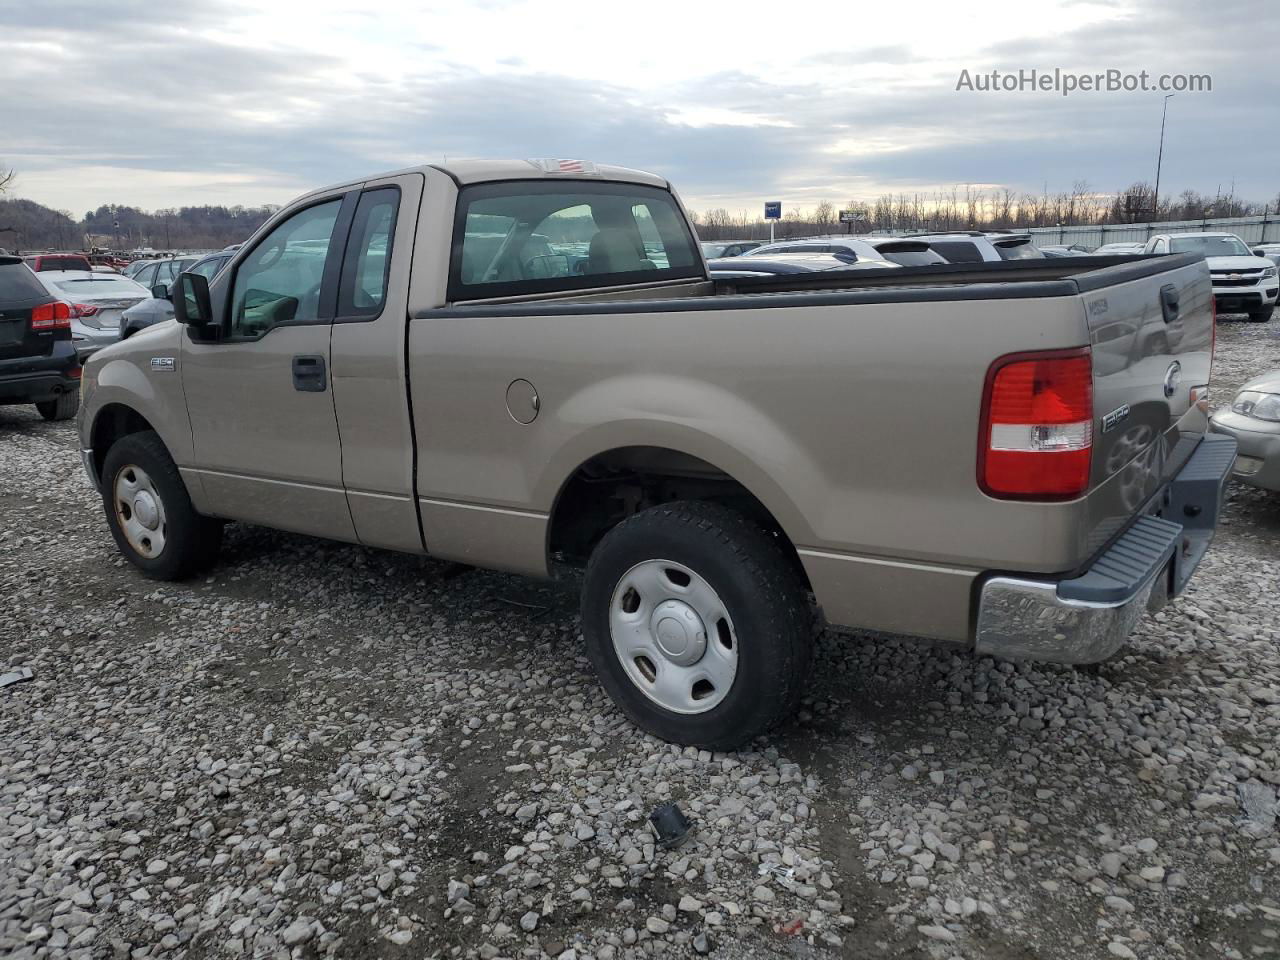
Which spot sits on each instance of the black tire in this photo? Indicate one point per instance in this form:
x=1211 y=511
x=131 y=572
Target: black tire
x=762 y=592
x=64 y=407
x=191 y=542
x=1261 y=316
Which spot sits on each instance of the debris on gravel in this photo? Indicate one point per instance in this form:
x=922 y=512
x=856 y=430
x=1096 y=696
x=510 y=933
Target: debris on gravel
x=322 y=750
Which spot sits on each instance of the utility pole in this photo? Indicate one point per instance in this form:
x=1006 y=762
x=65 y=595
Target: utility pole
x=1155 y=196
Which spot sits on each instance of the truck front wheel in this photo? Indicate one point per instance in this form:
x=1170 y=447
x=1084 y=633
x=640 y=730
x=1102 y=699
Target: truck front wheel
x=697 y=624
x=1261 y=316
x=150 y=513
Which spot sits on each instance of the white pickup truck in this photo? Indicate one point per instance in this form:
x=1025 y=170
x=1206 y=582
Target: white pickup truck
x=1243 y=282
x=525 y=366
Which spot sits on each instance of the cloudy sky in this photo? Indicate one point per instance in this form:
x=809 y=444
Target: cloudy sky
x=163 y=104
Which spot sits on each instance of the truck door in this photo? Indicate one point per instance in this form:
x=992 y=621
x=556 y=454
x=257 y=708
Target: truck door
x=264 y=430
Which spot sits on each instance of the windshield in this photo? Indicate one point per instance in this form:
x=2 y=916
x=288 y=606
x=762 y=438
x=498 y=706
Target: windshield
x=1224 y=246
x=713 y=250
x=100 y=287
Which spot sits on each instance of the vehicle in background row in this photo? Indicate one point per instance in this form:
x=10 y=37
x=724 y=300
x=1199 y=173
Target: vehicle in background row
x=159 y=307
x=719 y=249
x=165 y=271
x=135 y=265
x=97 y=301
x=781 y=264
x=1114 y=249
x=976 y=247
x=1254 y=420
x=905 y=252
x=42 y=262
x=1062 y=250
x=1269 y=250
x=851 y=249
x=38 y=363
x=1242 y=281
x=370 y=367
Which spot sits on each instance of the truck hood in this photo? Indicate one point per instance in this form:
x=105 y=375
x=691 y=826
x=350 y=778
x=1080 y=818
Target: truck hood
x=1238 y=263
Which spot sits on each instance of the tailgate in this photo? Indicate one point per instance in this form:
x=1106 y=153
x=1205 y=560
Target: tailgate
x=1151 y=332
x=20 y=293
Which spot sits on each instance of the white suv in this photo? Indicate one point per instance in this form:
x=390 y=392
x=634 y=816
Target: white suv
x=1242 y=282
x=976 y=247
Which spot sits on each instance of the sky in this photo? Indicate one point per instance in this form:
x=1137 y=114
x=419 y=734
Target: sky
x=170 y=104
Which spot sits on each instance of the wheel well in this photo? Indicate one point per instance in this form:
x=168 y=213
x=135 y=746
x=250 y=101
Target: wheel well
x=113 y=422
x=612 y=486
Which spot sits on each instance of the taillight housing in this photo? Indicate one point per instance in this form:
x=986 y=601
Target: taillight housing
x=83 y=310
x=51 y=316
x=1036 y=439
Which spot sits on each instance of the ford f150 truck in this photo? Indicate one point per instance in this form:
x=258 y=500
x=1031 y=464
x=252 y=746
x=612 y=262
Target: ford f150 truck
x=524 y=365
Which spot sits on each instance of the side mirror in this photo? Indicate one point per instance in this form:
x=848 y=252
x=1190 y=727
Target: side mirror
x=1259 y=252
x=191 y=304
x=160 y=291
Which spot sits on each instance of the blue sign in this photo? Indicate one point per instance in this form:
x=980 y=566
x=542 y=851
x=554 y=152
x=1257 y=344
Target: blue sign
x=773 y=210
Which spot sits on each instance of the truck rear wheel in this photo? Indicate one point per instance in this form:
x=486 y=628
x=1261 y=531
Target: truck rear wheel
x=63 y=407
x=1261 y=316
x=697 y=624
x=150 y=513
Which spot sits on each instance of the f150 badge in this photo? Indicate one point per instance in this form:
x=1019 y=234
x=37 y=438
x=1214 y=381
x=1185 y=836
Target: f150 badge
x=1116 y=417
x=166 y=364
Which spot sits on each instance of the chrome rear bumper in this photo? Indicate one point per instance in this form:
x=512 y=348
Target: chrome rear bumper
x=1087 y=618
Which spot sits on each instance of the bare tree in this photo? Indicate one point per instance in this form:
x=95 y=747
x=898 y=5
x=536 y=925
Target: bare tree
x=824 y=215
x=7 y=176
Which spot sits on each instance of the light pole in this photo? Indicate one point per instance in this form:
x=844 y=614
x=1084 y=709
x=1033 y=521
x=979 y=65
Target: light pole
x=1155 y=196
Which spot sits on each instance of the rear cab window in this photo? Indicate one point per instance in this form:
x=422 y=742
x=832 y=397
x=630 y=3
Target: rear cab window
x=522 y=237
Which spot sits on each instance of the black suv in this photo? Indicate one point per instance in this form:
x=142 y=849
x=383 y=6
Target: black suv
x=38 y=362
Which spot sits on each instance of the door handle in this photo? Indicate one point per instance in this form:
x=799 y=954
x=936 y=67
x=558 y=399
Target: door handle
x=309 y=374
x=1169 y=302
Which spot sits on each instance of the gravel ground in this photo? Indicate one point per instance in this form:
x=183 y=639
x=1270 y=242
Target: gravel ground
x=324 y=750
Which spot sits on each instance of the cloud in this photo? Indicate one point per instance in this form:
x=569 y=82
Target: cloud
x=251 y=104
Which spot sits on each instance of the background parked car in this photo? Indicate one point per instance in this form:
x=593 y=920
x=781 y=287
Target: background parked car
x=38 y=363
x=1063 y=250
x=1269 y=250
x=1242 y=282
x=977 y=247
x=713 y=249
x=1112 y=249
x=41 y=262
x=97 y=301
x=163 y=271
x=132 y=269
x=158 y=309
x=849 y=248
x=788 y=263
x=1254 y=420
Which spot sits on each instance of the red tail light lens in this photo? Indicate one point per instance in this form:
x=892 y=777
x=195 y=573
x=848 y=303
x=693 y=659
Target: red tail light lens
x=83 y=310
x=51 y=316
x=1037 y=426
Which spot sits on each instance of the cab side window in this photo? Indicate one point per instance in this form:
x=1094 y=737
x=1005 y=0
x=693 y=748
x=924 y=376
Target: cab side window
x=279 y=282
x=367 y=259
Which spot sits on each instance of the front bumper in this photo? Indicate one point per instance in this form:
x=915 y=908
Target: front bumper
x=1259 y=461
x=1229 y=299
x=1087 y=618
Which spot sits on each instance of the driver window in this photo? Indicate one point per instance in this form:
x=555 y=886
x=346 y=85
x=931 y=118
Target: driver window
x=279 y=282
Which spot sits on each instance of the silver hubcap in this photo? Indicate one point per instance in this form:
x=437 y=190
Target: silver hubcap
x=140 y=511
x=673 y=636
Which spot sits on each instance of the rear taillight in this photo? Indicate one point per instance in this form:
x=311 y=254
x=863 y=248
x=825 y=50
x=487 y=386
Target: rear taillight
x=83 y=310
x=51 y=316
x=1037 y=426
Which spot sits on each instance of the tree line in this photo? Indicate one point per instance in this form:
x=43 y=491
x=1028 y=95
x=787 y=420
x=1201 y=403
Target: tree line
x=973 y=208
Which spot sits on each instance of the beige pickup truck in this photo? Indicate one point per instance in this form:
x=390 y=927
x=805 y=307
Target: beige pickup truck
x=523 y=365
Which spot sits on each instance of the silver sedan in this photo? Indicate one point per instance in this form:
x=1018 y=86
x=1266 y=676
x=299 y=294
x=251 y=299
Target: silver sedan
x=1254 y=420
